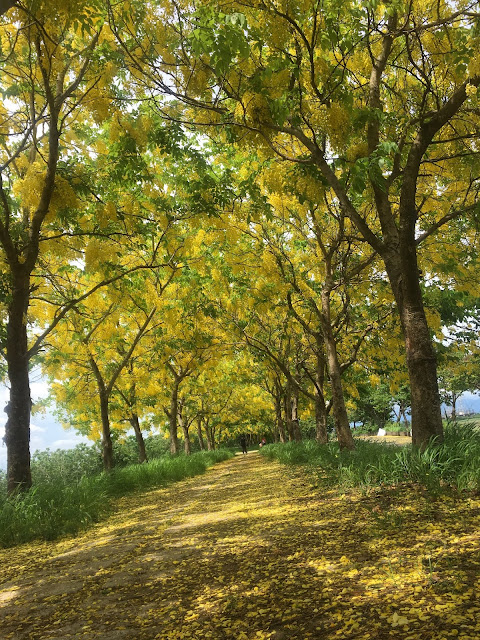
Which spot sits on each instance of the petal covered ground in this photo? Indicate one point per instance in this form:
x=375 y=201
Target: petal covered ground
x=251 y=551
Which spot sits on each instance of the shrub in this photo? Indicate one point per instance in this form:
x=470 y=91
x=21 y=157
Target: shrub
x=67 y=498
x=453 y=464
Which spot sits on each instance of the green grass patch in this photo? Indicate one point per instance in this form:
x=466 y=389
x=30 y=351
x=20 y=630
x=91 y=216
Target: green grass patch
x=62 y=504
x=453 y=464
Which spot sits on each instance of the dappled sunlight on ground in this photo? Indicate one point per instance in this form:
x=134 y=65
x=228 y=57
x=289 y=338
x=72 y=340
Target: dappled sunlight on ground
x=250 y=551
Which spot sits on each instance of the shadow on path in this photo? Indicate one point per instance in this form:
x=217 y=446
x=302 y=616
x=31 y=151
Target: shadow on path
x=250 y=551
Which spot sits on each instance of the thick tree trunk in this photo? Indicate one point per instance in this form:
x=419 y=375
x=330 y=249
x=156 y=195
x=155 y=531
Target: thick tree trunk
x=142 y=454
x=342 y=426
x=17 y=428
x=421 y=358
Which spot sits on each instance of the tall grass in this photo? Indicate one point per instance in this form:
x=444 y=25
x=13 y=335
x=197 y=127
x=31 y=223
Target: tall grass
x=61 y=504
x=453 y=464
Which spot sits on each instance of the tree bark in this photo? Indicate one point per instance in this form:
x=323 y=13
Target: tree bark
x=173 y=418
x=342 y=426
x=321 y=434
x=287 y=403
x=5 y=5
x=107 y=446
x=185 y=430
x=142 y=454
x=279 y=418
x=201 y=442
x=186 y=440
x=454 y=406
x=210 y=437
x=295 y=421
x=403 y=273
x=17 y=428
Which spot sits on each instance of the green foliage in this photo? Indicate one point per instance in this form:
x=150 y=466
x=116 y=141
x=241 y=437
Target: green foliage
x=66 y=500
x=52 y=467
x=374 y=405
x=454 y=464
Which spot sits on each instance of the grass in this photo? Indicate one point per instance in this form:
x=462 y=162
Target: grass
x=60 y=504
x=453 y=464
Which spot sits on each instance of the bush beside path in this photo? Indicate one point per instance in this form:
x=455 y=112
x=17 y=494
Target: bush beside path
x=251 y=551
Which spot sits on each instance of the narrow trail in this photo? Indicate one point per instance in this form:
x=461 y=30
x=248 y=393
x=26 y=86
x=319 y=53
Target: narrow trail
x=247 y=551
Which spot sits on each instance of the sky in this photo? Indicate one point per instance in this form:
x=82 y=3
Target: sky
x=45 y=431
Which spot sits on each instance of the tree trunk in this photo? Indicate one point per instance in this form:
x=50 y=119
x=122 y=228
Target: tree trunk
x=186 y=440
x=321 y=434
x=185 y=430
x=454 y=406
x=210 y=437
x=287 y=403
x=295 y=421
x=142 y=454
x=279 y=418
x=421 y=358
x=173 y=419
x=201 y=442
x=107 y=447
x=342 y=426
x=17 y=428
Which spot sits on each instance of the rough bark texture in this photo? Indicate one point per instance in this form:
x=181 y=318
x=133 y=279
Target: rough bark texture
x=17 y=428
x=142 y=454
x=420 y=354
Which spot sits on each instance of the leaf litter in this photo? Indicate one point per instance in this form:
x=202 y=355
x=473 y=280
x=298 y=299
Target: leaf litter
x=252 y=551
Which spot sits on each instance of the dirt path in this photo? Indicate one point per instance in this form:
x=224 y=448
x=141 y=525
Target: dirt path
x=247 y=552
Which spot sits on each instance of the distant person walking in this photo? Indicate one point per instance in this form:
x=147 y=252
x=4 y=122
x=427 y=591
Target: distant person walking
x=243 y=444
